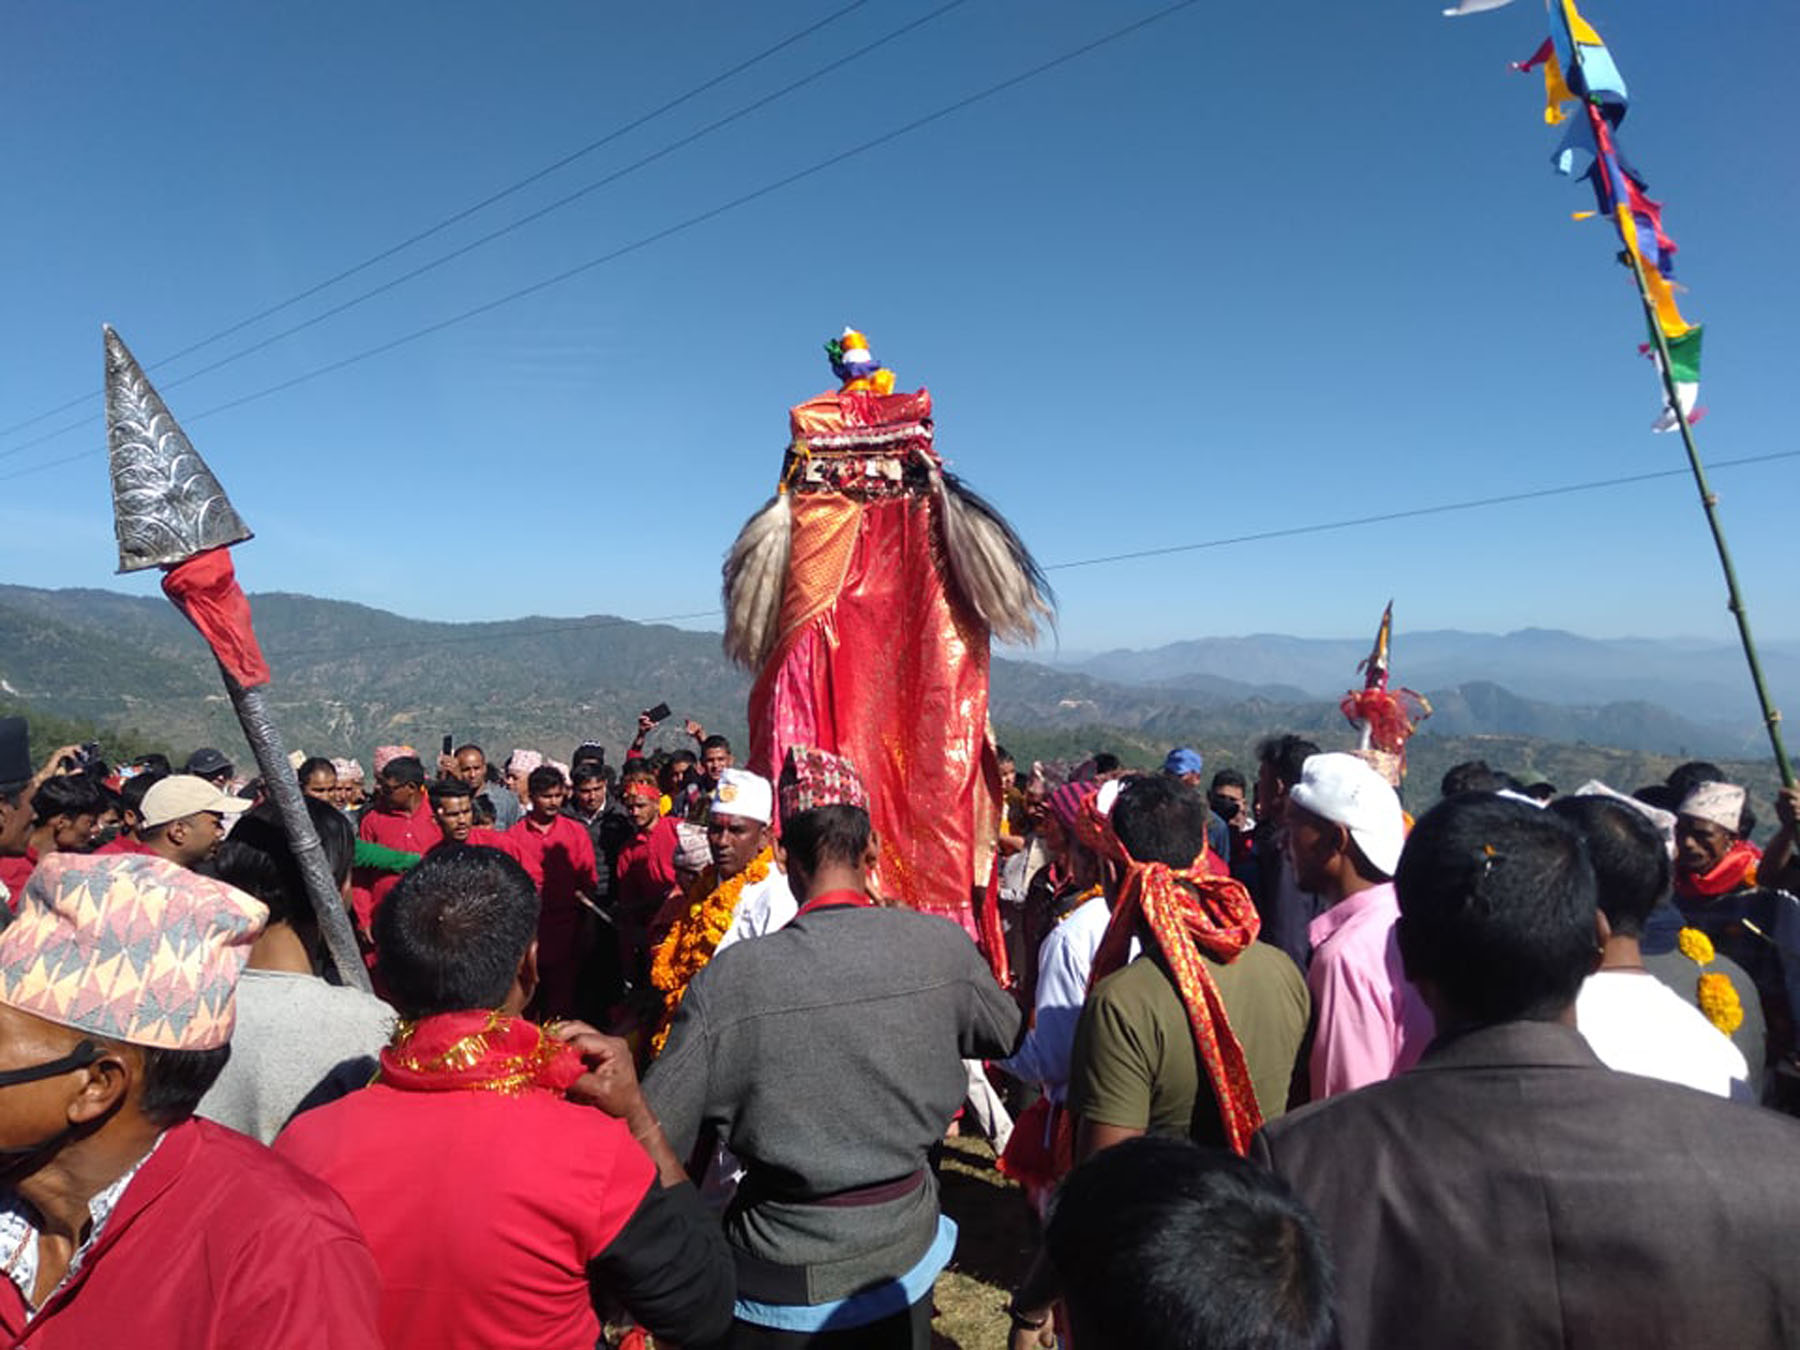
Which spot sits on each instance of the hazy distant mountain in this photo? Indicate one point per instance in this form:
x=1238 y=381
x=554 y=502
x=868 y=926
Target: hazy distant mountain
x=348 y=677
x=1703 y=682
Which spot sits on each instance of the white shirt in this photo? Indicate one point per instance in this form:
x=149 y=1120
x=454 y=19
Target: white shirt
x=19 y=1235
x=1637 y=1024
x=1065 y=960
x=761 y=909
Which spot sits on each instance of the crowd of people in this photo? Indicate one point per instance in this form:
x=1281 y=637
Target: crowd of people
x=648 y=1059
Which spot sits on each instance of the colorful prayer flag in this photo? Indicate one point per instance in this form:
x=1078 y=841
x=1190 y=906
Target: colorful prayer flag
x=1684 y=362
x=1579 y=69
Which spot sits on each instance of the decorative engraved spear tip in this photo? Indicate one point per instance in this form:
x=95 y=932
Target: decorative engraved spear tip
x=167 y=506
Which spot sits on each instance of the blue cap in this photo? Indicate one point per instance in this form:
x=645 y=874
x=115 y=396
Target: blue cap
x=1182 y=760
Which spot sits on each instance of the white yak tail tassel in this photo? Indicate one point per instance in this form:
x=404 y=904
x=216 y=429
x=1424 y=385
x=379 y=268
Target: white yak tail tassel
x=994 y=571
x=755 y=574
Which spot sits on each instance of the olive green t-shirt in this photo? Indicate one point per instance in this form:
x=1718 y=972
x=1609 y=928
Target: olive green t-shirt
x=1135 y=1066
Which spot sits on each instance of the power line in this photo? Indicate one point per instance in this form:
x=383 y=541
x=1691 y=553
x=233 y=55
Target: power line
x=482 y=241
x=1321 y=527
x=666 y=232
x=1414 y=512
x=574 y=626
x=466 y=211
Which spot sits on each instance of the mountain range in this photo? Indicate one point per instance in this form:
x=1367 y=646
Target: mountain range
x=348 y=677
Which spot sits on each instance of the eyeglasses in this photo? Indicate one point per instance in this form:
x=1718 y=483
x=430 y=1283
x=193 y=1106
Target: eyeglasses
x=84 y=1054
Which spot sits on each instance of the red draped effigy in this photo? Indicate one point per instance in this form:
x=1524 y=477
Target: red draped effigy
x=864 y=596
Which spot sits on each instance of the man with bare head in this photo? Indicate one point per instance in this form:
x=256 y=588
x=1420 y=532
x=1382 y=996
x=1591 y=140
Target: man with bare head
x=470 y=764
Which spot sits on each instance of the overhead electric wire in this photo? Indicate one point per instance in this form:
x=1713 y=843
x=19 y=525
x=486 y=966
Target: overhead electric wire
x=465 y=212
x=1224 y=541
x=482 y=241
x=666 y=232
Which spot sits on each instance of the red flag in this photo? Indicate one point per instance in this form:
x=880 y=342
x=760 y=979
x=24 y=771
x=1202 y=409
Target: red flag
x=205 y=589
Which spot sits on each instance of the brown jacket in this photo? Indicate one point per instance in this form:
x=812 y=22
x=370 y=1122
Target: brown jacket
x=1512 y=1192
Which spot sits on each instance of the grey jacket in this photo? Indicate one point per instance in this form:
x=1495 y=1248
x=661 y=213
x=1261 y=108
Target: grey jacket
x=828 y=1057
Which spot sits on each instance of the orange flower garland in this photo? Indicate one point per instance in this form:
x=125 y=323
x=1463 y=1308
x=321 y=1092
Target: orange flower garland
x=696 y=935
x=1717 y=996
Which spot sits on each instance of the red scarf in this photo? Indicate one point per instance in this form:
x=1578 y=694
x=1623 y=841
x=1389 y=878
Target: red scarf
x=1189 y=912
x=1733 y=872
x=478 y=1051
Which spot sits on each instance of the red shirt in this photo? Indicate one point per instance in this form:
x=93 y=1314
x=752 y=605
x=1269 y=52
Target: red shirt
x=645 y=871
x=122 y=843
x=559 y=856
x=483 y=1210
x=482 y=837
x=414 y=833
x=15 y=871
x=216 y=1243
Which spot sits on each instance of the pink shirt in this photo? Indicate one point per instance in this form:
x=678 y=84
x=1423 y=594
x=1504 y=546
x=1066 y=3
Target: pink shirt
x=1371 y=1021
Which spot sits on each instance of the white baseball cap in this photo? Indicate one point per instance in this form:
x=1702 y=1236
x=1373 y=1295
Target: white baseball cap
x=183 y=794
x=744 y=794
x=1344 y=790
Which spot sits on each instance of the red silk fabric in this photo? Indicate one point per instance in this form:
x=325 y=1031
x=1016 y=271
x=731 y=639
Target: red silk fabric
x=878 y=662
x=205 y=588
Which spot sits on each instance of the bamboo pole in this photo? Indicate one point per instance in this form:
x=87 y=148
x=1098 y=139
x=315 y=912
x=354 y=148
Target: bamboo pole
x=1709 y=501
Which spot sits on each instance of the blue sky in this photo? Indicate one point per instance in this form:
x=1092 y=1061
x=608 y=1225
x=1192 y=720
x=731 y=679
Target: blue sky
x=1249 y=268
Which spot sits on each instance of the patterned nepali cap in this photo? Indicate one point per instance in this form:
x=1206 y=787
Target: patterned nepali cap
x=387 y=754
x=130 y=947
x=811 y=778
x=1721 y=803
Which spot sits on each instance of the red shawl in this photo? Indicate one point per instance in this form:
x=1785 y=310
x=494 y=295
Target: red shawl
x=478 y=1051
x=1187 y=912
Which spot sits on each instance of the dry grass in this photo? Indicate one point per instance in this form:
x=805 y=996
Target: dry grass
x=997 y=1240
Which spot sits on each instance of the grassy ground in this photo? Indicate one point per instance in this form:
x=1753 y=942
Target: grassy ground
x=998 y=1237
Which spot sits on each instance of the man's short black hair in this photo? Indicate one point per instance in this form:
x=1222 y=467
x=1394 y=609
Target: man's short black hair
x=449 y=790
x=543 y=778
x=154 y=762
x=1631 y=866
x=1286 y=756
x=715 y=742
x=638 y=768
x=1161 y=819
x=1684 y=778
x=1497 y=908
x=681 y=757
x=176 y=1080
x=136 y=786
x=68 y=794
x=1229 y=778
x=1106 y=762
x=1472 y=775
x=1161 y=1245
x=257 y=858
x=317 y=764
x=406 y=771
x=465 y=748
x=827 y=834
x=590 y=771
x=451 y=935
x=1541 y=791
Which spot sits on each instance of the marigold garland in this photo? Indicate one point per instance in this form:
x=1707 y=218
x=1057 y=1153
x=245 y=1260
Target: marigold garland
x=1717 y=996
x=1719 y=1001
x=696 y=935
x=1695 y=945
